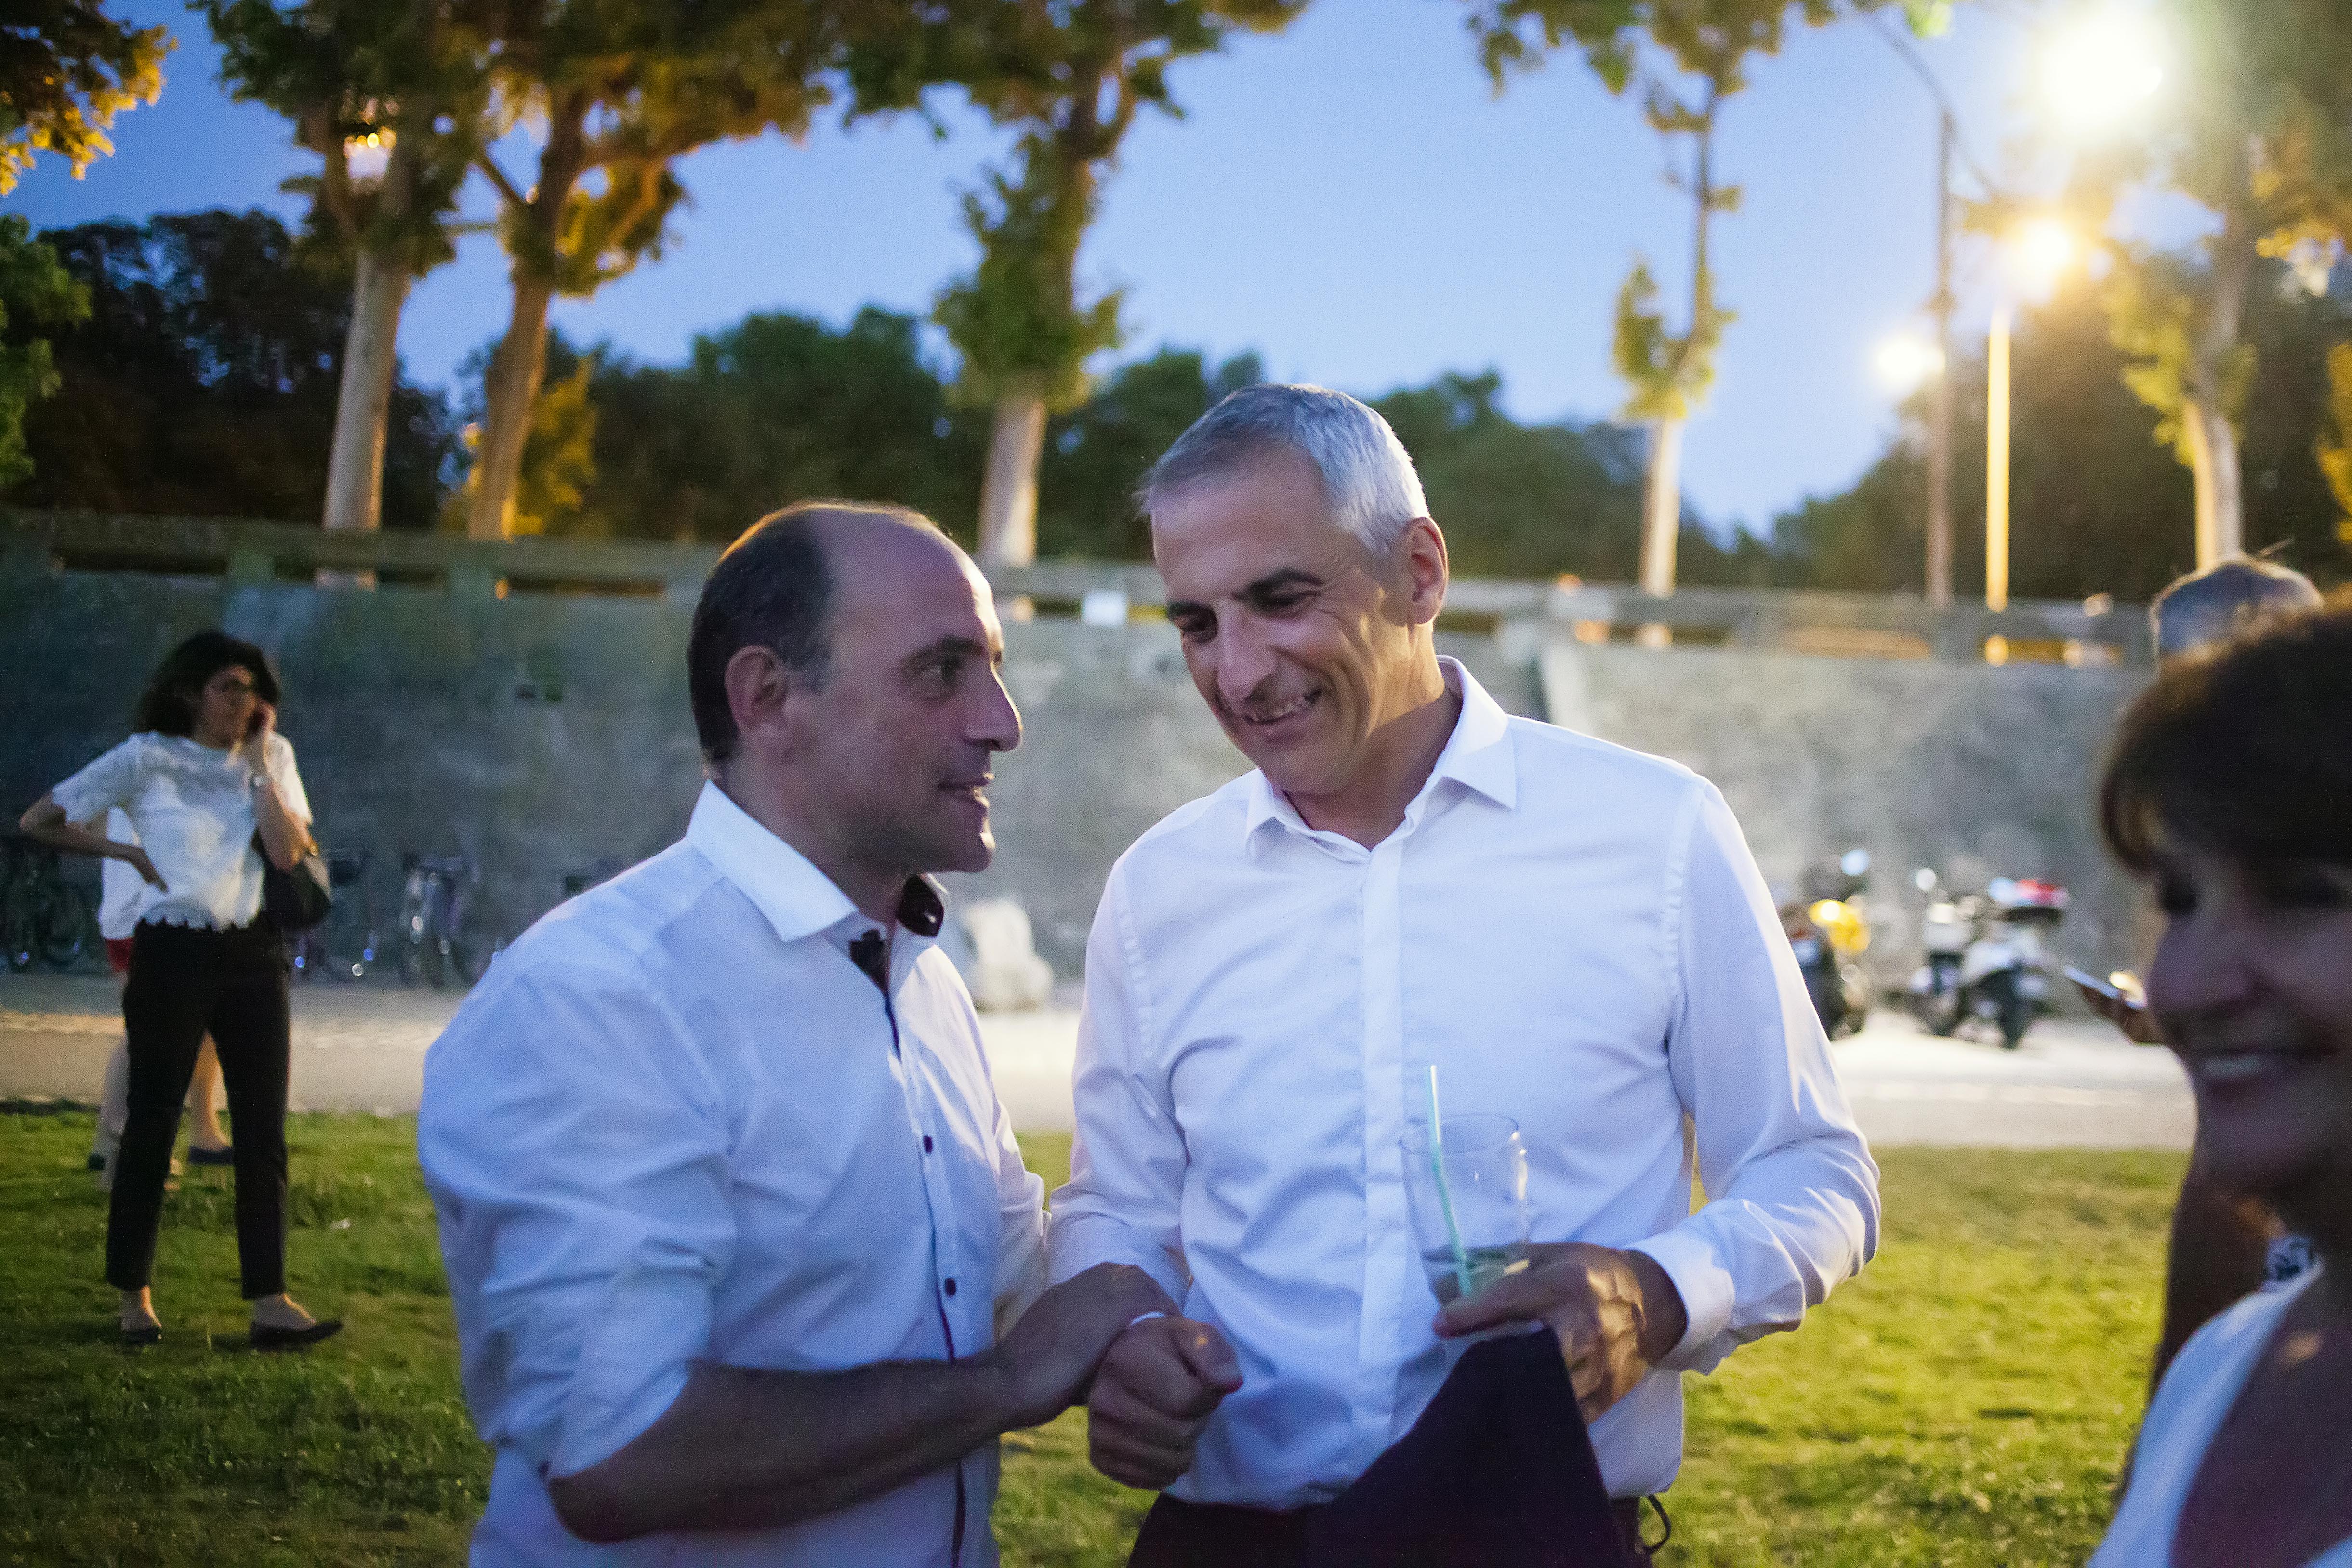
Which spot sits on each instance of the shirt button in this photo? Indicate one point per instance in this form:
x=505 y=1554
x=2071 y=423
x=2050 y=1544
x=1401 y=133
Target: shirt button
x=926 y=1143
x=951 y=1287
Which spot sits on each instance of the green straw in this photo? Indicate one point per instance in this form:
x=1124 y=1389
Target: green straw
x=1445 y=1193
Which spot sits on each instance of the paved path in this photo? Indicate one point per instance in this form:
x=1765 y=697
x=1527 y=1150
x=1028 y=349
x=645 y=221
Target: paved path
x=361 y=1048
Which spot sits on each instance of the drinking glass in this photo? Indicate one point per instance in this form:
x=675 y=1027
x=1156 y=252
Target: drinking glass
x=1486 y=1168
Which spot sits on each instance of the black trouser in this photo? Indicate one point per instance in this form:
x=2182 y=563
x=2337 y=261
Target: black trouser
x=1179 y=1535
x=184 y=982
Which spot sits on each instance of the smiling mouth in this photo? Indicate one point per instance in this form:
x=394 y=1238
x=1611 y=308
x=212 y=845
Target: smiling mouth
x=1266 y=718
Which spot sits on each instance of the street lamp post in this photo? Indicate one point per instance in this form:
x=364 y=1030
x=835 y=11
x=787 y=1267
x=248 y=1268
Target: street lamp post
x=1939 y=420
x=1997 y=418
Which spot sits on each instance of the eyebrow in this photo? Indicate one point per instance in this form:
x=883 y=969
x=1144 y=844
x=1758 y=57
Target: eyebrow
x=1271 y=583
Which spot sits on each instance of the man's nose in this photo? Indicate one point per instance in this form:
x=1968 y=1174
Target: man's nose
x=995 y=722
x=1244 y=661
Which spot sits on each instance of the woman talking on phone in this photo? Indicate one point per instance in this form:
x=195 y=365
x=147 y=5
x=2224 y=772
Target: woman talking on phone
x=211 y=786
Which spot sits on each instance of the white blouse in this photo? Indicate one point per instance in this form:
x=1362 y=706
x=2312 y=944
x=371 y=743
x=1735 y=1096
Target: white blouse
x=193 y=809
x=2198 y=1391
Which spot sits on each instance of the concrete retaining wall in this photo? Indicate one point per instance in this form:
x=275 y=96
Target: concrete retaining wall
x=540 y=733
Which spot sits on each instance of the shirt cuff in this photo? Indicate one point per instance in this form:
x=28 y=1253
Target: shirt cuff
x=1078 y=1242
x=1705 y=1287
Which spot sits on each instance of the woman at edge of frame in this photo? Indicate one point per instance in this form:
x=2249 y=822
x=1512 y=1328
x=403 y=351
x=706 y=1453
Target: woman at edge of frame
x=2230 y=788
x=206 y=778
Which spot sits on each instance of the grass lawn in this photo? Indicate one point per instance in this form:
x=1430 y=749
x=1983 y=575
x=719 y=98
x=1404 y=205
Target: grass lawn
x=1966 y=1402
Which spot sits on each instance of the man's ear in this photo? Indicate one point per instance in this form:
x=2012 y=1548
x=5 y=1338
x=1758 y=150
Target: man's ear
x=760 y=698
x=1422 y=572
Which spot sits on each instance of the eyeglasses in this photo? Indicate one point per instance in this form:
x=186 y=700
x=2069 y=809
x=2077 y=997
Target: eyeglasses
x=244 y=688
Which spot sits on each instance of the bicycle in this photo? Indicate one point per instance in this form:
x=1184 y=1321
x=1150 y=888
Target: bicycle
x=44 y=918
x=435 y=944
x=347 y=943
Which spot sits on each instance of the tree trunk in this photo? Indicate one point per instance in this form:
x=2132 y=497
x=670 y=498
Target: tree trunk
x=2212 y=437
x=1008 y=494
x=1661 y=521
x=363 y=398
x=1662 y=508
x=2214 y=470
x=509 y=392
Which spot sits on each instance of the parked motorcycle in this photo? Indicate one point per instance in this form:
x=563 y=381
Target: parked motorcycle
x=1988 y=960
x=1829 y=930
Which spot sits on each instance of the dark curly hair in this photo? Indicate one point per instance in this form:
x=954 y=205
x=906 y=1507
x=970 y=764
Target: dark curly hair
x=168 y=705
x=2245 y=748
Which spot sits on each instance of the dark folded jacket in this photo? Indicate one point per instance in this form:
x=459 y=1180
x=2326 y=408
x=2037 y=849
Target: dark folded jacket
x=1498 y=1473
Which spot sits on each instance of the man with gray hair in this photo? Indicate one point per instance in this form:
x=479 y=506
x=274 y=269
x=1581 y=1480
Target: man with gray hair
x=1410 y=882
x=2213 y=605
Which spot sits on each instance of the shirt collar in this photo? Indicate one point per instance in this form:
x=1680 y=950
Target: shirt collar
x=797 y=899
x=1477 y=755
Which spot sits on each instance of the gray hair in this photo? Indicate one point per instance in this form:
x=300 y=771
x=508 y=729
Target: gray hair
x=1368 y=477
x=2216 y=604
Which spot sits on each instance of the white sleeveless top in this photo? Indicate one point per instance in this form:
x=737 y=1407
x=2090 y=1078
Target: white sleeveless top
x=193 y=807
x=2203 y=1381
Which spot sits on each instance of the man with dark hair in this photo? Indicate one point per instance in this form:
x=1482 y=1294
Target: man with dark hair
x=745 y=1264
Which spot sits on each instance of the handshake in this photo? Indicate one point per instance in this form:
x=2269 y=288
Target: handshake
x=1150 y=1379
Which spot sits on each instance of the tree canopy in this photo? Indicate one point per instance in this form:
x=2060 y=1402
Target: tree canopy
x=203 y=382
x=67 y=70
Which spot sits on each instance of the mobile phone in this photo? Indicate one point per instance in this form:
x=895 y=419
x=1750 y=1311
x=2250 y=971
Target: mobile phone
x=2091 y=982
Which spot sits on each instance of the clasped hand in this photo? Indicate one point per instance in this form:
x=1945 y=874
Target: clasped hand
x=1156 y=1389
x=1615 y=1313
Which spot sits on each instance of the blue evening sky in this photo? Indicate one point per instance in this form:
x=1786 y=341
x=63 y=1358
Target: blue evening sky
x=1350 y=199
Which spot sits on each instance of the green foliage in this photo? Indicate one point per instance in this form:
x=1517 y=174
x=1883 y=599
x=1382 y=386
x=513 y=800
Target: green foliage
x=203 y=382
x=621 y=90
x=773 y=409
x=2099 y=506
x=1096 y=454
x=1017 y=319
x=67 y=70
x=1071 y=78
x=35 y=293
x=2335 y=450
x=1669 y=372
x=341 y=70
x=558 y=459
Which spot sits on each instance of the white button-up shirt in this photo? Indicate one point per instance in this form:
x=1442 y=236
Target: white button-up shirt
x=1576 y=935
x=675 y=1122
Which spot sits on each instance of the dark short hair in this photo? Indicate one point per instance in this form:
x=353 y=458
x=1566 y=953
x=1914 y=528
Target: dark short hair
x=2244 y=748
x=772 y=589
x=168 y=705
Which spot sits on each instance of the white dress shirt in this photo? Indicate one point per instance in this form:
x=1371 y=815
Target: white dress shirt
x=1576 y=935
x=676 y=1122
x=193 y=806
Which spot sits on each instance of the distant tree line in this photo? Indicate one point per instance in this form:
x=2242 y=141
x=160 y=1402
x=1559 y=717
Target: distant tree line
x=202 y=384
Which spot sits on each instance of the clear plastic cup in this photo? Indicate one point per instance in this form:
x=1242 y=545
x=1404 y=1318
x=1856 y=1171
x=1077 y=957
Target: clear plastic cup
x=1487 y=1177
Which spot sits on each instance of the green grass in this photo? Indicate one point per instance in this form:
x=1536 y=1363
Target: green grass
x=1966 y=1402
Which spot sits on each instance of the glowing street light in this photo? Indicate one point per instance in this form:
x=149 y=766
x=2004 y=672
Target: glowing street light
x=2040 y=253
x=2102 y=68
x=1907 y=361
x=368 y=156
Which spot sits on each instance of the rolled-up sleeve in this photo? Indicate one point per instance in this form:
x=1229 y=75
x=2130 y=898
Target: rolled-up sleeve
x=1126 y=1161
x=109 y=780
x=1793 y=1191
x=577 y=1152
